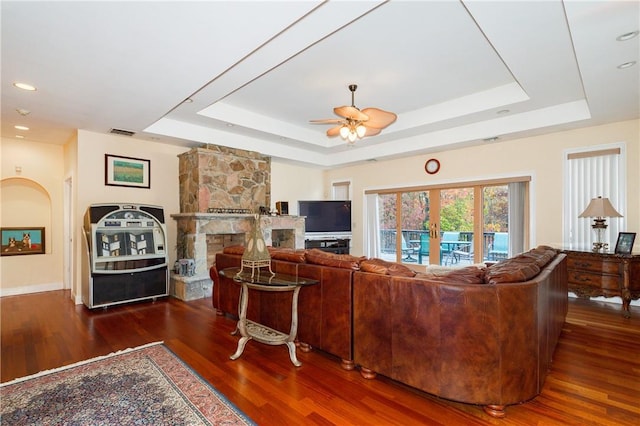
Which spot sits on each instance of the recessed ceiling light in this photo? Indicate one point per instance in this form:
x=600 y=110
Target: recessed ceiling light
x=19 y=137
x=187 y=101
x=503 y=111
x=627 y=36
x=229 y=125
x=25 y=86
x=21 y=127
x=626 y=65
x=23 y=111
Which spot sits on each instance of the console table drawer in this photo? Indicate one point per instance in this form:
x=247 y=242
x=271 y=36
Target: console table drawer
x=595 y=265
x=582 y=278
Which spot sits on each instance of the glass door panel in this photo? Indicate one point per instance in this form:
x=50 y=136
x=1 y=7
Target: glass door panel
x=388 y=225
x=457 y=215
x=495 y=207
x=414 y=219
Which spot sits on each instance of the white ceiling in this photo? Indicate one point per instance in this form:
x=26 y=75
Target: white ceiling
x=456 y=73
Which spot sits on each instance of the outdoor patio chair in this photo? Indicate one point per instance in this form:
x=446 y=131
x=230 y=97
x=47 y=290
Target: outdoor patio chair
x=500 y=247
x=423 y=250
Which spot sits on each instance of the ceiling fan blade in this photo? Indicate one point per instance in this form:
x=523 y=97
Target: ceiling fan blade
x=379 y=119
x=371 y=131
x=334 y=131
x=327 y=121
x=351 y=112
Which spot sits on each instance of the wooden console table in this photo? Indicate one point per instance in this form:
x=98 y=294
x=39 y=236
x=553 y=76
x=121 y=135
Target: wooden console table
x=604 y=274
x=266 y=281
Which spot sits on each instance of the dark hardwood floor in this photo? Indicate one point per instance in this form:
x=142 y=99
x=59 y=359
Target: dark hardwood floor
x=594 y=380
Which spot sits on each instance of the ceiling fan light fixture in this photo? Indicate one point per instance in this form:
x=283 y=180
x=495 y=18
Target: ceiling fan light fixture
x=355 y=123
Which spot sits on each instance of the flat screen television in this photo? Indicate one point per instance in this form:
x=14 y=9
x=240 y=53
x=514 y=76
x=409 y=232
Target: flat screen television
x=330 y=217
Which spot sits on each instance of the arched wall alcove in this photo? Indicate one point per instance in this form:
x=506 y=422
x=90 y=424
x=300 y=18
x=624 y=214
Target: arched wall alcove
x=26 y=204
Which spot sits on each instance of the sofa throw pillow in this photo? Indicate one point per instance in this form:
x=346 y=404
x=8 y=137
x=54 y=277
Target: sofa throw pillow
x=346 y=261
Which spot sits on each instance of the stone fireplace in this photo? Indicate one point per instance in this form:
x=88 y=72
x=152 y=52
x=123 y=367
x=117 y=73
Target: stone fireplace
x=214 y=179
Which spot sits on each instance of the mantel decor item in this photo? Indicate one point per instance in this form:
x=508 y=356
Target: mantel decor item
x=127 y=171
x=255 y=254
x=600 y=209
x=624 y=245
x=18 y=241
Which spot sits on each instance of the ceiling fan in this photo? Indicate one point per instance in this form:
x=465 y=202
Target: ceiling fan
x=357 y=124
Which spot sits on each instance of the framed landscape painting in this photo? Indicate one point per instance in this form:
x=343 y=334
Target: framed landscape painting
x=19 y=241
x=127 y=171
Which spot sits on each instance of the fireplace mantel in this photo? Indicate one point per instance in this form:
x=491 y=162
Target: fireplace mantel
x=195 y=227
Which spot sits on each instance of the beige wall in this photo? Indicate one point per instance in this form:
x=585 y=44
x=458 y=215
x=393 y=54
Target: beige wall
x=90 y=188
x=293 y=183
x=32 y=197
x=82 y=162
x=541 y=157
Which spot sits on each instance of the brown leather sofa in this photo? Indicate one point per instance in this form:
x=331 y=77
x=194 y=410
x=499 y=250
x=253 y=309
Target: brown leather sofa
x=325 y=316
x=479 y=335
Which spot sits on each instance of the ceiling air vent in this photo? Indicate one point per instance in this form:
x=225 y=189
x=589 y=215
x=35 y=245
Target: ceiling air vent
x=122 y=132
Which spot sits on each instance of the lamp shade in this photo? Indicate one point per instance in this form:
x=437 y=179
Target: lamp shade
x=600 y=207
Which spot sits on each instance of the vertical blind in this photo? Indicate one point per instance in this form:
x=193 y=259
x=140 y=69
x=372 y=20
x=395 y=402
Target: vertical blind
x=341 y=190
x=591 y=174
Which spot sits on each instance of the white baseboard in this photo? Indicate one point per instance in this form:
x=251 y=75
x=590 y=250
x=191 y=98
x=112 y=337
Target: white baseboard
x=36 y=288
x=615 y=299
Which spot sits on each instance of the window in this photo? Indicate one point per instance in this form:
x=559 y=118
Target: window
x=341 y=190
x=589 y=174
x=449 y=225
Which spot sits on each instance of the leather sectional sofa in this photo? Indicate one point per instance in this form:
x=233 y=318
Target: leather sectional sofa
x=478 y=335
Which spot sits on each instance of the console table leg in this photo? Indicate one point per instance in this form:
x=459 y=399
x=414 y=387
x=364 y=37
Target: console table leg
x=241 y=344
x=292 y=354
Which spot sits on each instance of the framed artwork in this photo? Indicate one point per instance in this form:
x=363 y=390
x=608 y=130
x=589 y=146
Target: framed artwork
x=127 y=171
x=625 y=242
x=19 y=241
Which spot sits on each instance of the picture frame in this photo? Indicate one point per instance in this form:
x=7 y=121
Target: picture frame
x=127 y=171
x=624 y=245
x=18 y=241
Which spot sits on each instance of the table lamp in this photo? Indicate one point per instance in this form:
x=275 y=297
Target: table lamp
x=599 y=209
x=256 y=255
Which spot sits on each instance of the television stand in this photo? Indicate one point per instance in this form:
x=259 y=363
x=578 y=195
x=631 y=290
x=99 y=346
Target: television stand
x=331 y=245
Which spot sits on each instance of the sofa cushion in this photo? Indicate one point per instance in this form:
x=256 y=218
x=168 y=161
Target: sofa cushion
x=384 y=267
x=471 y=274
x=346 y=261
x=287 y=254
x=233 y=249
x=512 y=271
x=542 y=255
x=468 y=275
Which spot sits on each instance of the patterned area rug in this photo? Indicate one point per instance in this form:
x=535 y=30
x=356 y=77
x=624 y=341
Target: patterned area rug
x=147 y=385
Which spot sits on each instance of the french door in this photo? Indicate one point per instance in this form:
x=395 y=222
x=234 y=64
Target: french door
x=452 y=226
